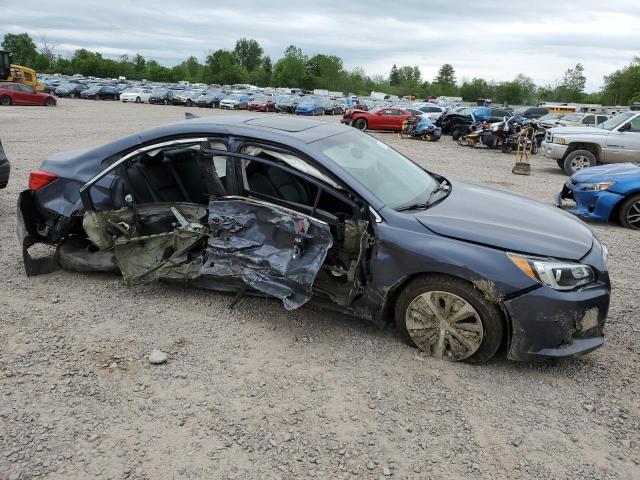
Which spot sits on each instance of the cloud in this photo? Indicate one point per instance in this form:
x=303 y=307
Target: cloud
x=495 y=40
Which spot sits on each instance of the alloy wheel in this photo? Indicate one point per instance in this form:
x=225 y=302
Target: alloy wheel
x=444 y=325
x=579 y=163
x=633 y=215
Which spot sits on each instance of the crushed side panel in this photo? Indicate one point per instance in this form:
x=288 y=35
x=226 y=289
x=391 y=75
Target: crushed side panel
x=265 y=246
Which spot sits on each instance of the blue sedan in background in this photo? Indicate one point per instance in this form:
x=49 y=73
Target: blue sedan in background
x=310 y=107
x=605 y=193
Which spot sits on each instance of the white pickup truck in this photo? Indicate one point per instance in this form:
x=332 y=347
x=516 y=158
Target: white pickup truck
x=615 y=140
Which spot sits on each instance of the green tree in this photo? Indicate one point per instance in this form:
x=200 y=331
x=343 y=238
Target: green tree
x=394 y=77
x=622 y=87
x=291 y=70
x=445 y=81
x=248 y=53
x=23 y=50
x=222 y=68
x=475 y=89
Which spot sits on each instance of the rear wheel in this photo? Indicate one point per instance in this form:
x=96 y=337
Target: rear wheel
x=450 y=319
x=456 y=134
x=72 y=95
x=49 y=102
x=360 y=124
x=560 y=163
x=578 y=160
x=629 y=215
x=5 y=100
x=188 y=102
x=138 y=100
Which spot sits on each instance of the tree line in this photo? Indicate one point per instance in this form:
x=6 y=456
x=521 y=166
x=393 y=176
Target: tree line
x=247 y=63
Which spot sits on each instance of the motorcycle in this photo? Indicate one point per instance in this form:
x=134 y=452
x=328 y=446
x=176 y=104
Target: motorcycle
x=421 y=129
x=490 y=135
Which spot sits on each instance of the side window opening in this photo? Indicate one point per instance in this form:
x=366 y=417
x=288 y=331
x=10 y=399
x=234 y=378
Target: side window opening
x=171 y=174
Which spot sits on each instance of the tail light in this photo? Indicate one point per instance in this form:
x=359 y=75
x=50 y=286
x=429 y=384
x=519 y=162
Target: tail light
x=39 y=179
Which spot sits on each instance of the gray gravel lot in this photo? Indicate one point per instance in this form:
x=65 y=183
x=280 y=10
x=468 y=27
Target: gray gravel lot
x=258 y=392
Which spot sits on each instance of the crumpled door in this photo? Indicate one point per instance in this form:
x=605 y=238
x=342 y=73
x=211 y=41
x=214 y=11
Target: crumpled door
x=152 y=241
x=274 y=250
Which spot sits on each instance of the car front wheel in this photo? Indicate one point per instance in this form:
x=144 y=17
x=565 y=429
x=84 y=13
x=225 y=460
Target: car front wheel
x=449 y=318
x=630 y=212
x=578 y=160
x=360 y=124
x=5 y=100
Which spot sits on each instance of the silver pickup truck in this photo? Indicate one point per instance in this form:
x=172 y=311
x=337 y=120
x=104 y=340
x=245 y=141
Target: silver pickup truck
x=613 y=141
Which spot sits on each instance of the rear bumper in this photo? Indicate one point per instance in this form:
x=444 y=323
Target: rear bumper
x=27 y=215
x=546 y=323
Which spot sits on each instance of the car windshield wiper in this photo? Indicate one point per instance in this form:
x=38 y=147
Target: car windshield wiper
x=441 y=187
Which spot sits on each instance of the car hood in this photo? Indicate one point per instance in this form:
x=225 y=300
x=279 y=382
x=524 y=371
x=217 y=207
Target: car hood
x=604 y=173
x=229 y=100
x=507 y=221
x=569 y=130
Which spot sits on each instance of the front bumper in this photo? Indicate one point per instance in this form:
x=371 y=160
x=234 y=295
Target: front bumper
x=554 y=150
x=546 y=323
x=589 y=204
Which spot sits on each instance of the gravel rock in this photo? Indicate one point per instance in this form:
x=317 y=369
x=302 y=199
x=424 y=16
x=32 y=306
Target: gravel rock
x=157 y=357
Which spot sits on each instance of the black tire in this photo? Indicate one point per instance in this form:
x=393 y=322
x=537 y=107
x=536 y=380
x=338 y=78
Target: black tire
x=560 y=163
x=72 y=95
x=5 y=100
x=360 y=124
x=507 y=148
x=579 y=160
x=629 y=213
x=188 y=102
x=49 y=102
x=455 y=134
x=489 y=314
x=138 y=100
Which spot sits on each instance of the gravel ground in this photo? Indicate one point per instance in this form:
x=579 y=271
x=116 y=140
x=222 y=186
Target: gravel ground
x=257 y=392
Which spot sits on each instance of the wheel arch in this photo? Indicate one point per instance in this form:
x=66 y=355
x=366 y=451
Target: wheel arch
x=590 y=147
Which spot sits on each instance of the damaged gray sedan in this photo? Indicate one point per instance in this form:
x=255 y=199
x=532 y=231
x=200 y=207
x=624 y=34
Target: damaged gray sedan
x=307 y=211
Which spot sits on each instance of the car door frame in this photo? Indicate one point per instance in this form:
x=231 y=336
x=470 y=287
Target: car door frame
x=617 y=149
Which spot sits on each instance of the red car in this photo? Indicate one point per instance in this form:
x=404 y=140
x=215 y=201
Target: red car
x=262 y=104
x=383 y=118
x=18 y=94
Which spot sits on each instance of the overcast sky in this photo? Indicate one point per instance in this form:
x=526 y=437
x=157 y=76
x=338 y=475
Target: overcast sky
x=494 y=39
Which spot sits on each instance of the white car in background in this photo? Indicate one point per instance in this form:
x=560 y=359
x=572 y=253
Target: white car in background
x=431 y=110
x=137 y=95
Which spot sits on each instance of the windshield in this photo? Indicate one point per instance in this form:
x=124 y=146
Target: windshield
x=617 y=120
x=235 y=96
x=391 y=177
x=550 y=116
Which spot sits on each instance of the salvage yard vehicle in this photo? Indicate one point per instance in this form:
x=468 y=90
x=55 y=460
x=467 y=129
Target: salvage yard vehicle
x=606 y=193
x=382 y=118
x=235 y=101
x=100 y=92
x=613 y=141
x=210 y=99
x=71 y=90
x=310 y=106
x=187 y=98
x=5 y=168
x=287 y=103
x=18 y=94
x=137 y=95
x=262 y=103
x=300 y=210
x=581 y=119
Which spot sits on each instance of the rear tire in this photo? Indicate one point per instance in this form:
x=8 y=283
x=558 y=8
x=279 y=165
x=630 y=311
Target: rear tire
x=360 y=124
x=72 y=95
x=629 y=213
x=456 y=134
x=437 y=313
x=138 y=100
x=188 y=102
x=5 y=100
x=579 y=160
x=49 y=102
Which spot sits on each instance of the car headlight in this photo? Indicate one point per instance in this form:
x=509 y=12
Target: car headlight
x=554 y=273
x=559 y=140
x=597 y=187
